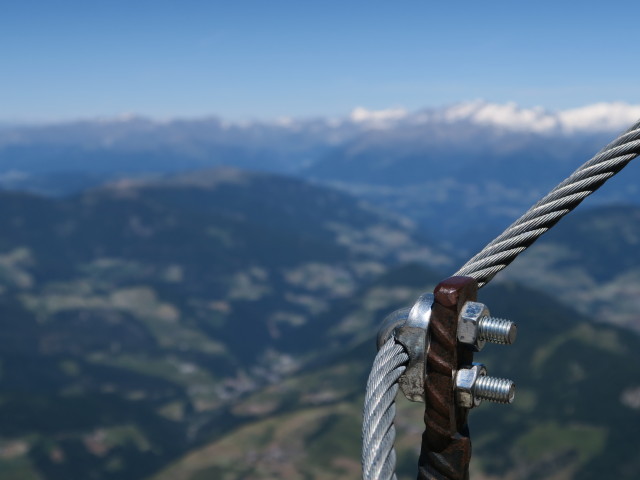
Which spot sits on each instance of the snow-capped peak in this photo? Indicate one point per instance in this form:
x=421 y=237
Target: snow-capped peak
x=377 y=118
x=509 y=116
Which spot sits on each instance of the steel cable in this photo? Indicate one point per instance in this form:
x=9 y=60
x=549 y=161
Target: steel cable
x=378 y=431
x=521 y=234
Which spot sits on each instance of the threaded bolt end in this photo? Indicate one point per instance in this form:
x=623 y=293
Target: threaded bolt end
x=499 y=390
x=497 y=330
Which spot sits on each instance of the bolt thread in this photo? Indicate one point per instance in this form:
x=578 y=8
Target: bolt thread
x=497 y=330
x=499 y=390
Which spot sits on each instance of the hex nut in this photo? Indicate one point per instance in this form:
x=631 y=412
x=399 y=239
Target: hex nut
x=465 y=385
x=468 y=329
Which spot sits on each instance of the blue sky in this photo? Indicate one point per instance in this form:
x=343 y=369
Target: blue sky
x=263 y=59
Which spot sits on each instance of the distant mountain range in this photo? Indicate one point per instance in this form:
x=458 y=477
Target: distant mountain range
x=461 y=172
x=136 y=144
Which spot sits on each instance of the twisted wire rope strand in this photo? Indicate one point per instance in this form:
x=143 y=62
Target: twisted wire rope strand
x=378 y=431
x=521 y=234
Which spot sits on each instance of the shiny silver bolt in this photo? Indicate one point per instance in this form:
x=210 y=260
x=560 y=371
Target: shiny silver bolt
x=497 y=330
x=499 y=390
x=472 y=385
x=476 y=326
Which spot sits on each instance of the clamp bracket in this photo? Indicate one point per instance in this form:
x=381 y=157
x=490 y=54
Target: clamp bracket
x=410 y=327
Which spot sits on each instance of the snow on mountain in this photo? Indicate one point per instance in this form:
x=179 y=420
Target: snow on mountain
x=377 y=118
x=599 y=117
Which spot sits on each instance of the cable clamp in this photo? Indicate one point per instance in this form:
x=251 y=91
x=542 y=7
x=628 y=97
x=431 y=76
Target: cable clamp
x=410 y=328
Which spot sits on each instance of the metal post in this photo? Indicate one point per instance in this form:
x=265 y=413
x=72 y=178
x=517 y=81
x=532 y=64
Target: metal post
x=446 y=445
